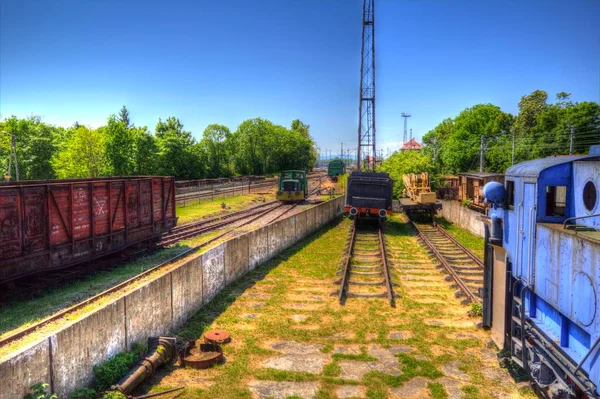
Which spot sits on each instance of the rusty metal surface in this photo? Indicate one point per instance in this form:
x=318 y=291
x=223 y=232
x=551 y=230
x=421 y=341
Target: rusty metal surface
x=217 y=337
x=201 y=356
x=163 y=352
x=56 y=224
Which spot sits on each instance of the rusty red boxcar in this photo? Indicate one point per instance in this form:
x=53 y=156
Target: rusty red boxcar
x=54 y=224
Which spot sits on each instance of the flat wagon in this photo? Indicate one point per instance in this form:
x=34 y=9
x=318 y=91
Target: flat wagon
x=55 y=224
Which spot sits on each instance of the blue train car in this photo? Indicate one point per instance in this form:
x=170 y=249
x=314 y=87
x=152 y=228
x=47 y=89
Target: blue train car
x=542 y=274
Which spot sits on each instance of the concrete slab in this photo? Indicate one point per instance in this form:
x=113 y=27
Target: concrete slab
x=97 y=337
x=213 y=273
x=296 y=348
x=452 y=370
x=283 y=389
x=310 y=220
x=414 y=388
x=258 y=247
x=23 y=369
x=149 y=311
x=452 y=387
x=235 y=258
x=350 y=391
x=304 y=363
x=187 y=290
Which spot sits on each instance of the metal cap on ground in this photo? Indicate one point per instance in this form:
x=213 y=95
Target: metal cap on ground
x=217 y=337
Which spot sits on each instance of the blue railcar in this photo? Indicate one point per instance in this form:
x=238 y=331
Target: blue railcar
x=542 y=274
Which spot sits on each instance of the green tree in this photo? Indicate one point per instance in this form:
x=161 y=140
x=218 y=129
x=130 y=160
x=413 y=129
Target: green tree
x=82 y=156
x=124 y=117
x=215 y=147
x=404 y=162
x=144 y=150
x=303 y=129
x=175 y=155
x=119 y=147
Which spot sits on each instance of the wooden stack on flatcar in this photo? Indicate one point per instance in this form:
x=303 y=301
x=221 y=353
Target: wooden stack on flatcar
x=55 y=224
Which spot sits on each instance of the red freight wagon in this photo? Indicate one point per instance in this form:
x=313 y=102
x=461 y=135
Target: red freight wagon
x=54 y=224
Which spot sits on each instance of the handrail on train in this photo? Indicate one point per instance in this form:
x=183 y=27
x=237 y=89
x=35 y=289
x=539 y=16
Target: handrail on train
x=578 y=217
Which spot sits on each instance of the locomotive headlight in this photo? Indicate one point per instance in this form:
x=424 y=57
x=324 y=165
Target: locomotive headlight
x=382 y=213
x=353 y=211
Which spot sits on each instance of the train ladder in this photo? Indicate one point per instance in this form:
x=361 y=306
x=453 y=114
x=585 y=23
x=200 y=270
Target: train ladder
x=517 y=328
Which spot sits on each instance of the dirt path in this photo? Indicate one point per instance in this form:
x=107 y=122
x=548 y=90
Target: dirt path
x=291 y=338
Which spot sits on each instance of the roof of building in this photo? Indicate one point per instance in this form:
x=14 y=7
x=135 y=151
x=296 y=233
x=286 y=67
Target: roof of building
x=481 y=175
x=412 y=145
x=534 y=167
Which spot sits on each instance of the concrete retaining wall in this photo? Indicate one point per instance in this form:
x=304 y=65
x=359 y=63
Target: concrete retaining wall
x=463 y=217
x=65 y=359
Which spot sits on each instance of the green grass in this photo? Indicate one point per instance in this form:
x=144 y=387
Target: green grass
x=316 y=259
x=206 y=209
x=465 y=237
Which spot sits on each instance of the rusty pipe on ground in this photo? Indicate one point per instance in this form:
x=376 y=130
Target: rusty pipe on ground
x=163 y=350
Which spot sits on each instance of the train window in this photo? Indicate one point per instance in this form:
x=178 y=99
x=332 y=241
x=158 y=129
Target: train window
x=590 y=196
x=510 y=194
x=556 y=200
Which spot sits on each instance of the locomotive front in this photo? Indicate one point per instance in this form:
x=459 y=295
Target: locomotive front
x=369 y=195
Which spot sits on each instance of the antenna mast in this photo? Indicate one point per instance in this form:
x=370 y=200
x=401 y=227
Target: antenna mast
x=366 y=109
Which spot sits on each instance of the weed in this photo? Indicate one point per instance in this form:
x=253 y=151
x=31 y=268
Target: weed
x=476 y=310
x=437 y=390
x=83 y=393
x=332 y=370
x=114 y=395
x=39 y=392
x=112 y=370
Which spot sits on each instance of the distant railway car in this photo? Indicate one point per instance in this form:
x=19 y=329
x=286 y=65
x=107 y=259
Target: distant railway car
x=55 y=224
x=336 y=168
x=542 y=271
x=293 y=186
x=369 y=195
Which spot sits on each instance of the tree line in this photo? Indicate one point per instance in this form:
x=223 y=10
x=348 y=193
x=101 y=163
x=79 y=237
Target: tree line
x=540 y=129
x=120 y=148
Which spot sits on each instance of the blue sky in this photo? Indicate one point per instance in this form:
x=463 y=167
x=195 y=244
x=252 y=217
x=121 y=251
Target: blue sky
x=225 y=61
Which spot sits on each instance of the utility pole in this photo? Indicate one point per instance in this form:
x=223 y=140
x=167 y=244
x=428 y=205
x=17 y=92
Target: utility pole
x=342 y=150
x=366 y=107
x=405 y=116
x=410 y=134
x=12 y=155
x=572 y=140
x=481 y=157
x=514 y=140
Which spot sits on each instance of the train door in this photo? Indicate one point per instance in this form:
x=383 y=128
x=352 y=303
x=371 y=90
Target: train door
x=526 y=218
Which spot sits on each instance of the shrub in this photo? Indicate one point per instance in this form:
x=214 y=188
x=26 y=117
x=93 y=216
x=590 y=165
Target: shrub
x=83 y=393
x=39 y=392
x=109 y=372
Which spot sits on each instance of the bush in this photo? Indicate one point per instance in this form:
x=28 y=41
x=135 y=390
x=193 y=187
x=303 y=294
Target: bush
x=112 y=370
x=114 y=395
x=39 y=392
x=83 y=393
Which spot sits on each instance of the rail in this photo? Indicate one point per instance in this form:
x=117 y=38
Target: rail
x=472 y=297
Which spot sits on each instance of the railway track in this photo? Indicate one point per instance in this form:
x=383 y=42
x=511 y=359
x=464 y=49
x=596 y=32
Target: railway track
x=204 y=226
x=246 y=217
x=364 y=270
x=465 y=268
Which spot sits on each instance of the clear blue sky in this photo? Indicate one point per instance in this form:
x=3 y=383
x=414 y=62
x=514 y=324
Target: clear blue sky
x=225 y=61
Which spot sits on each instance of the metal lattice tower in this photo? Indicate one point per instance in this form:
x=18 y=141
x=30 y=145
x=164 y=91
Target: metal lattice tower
x=405 y=116
x=366 y=109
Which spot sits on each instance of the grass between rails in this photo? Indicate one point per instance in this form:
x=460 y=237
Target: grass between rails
x=206 y=209
x=465 y=237
x=256 y=311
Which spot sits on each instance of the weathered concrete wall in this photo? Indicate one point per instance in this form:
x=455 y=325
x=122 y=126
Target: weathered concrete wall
x=236 y=258
x=25 y=368
x=258 y=247
x=213 y=268
x=187 y=290
x=66 y=358
x=463 y=217
x=149 y=310
x=86 y=342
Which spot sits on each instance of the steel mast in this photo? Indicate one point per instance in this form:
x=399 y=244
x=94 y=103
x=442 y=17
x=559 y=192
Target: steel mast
x=366 y=108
